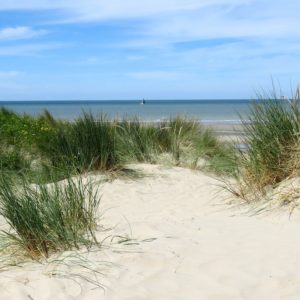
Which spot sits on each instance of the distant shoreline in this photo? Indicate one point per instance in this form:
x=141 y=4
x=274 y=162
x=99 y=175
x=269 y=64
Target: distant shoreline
x=117 y=101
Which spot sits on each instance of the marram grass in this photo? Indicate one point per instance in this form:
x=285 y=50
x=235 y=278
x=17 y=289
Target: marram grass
x=177 y=136
x=272 y=135
x=42 y=145
x=89 y=143
x=137 y=140
x=48 y=218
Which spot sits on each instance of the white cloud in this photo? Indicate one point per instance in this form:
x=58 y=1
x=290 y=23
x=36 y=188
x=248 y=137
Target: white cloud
x=90 y=10
x=248 y=19
x=9 y=74
x=266 y=33
x=20 y=32
x=29 y=49
x=114 y=8
x=177 y=20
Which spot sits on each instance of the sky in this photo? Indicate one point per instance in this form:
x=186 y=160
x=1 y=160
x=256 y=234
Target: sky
x=158 y=49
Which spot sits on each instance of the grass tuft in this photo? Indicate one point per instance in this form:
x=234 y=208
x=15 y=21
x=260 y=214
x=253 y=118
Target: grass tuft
x=177 y=136
x=272 y=135
x=87 y=144
x=136 y=140
x=46 y=219
x=43 y=147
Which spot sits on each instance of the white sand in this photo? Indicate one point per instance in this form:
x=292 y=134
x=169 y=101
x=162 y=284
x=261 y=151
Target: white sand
x=188 y=246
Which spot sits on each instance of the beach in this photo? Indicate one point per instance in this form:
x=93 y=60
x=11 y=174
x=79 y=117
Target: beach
x=172 y=235
x=149 y=150
x=95 y=209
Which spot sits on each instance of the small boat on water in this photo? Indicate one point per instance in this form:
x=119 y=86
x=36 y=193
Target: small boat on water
x=143 y=102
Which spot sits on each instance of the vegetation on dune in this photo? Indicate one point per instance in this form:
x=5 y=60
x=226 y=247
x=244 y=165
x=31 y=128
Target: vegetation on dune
x=178 y=136
x=221 y=156
x=144 y=142
x=43 y=219
x=86 y=144
x=272 y=135
x=23 y=130
x=20 y=137
x=46 y=219
x=56 y=217
x=44 y=147
x=186 y=142
x=137 y=140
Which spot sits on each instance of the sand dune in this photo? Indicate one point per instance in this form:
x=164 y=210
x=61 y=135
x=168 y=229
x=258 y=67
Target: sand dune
x=184 y=244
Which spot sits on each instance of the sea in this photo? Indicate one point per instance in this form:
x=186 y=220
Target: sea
x=206 y=111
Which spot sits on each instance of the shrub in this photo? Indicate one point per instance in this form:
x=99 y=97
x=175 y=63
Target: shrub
x=20 y=137
x=23 y=130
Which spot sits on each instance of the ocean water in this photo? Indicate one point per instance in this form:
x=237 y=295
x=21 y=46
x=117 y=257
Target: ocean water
x=207 y=111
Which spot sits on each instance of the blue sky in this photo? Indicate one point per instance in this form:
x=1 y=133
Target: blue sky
x=159 y=49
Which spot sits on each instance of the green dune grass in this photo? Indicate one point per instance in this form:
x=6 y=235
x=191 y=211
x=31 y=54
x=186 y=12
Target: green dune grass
x=43 y=147
x=273 y=138
x=45 y=219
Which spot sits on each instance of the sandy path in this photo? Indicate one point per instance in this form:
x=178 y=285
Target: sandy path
x=187 y=247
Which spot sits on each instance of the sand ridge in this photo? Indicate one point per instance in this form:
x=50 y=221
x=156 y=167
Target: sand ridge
x=183 y=244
